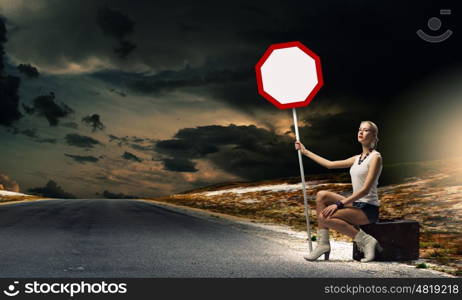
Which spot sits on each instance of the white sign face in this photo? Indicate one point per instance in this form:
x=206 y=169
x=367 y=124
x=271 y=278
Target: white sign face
x=289 y=75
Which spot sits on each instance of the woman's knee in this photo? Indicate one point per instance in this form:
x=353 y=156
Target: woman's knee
x=321 y=195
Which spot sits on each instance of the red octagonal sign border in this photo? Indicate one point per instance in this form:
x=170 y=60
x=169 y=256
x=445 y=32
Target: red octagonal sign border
x=270 y=98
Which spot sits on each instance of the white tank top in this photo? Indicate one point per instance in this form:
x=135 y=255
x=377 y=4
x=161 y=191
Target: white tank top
x=358 y=176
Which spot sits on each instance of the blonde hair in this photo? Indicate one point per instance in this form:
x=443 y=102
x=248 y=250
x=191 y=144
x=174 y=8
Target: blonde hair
x=375 y=130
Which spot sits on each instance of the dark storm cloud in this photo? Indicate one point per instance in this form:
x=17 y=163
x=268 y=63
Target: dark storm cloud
x=179 y=164
x=46 y=106
x=9 y=100
x=32 y=133
x=29 y=110
x=3 y=40
x=9 y=86
x=46 y=140
x=368 y=52
x=120 y=140
x=82 y=159
x=142 y=148
x=188 y=77
x=182 y=145
x=334 y=135
x=114 y=23
x=81 y=141
x=354 y=40
x=94 y=121
x=235 y=86
x=131 y=156
x=29 y=70
x=138 y=139
x=137 y=143
x=124 y=48
x=107 y=194
x=122 y=94
x=71 y=125
x=247 y=151
x=168 y=37
x=52 y=190
x=257 y=153
x=117 y=25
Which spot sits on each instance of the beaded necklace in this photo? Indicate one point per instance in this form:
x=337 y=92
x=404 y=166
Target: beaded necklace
x=361 y=160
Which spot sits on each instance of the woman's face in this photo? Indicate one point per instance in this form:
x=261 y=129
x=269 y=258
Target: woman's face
x=365 y=133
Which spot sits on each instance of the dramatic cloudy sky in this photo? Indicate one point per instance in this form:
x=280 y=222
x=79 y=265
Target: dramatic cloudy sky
x=148 y=98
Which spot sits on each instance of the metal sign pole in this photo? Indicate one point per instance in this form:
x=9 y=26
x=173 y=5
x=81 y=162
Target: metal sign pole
x=302 y=173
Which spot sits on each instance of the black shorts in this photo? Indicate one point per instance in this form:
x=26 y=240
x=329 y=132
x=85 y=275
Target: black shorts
x=371 y=211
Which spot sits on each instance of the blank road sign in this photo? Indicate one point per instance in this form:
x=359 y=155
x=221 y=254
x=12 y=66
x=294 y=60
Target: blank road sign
x=289 y=75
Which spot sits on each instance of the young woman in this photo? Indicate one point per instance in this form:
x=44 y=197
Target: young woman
x=362 y=207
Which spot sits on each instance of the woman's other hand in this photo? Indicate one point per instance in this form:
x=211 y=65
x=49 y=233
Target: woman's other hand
x=299 y=145
x=329 y=210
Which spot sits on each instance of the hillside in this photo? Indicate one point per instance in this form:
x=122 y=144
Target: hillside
x=8 y=197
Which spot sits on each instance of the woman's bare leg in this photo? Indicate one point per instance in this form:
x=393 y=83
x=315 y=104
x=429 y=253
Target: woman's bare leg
x=341 y=226
x=344 y=220
x=324 y=199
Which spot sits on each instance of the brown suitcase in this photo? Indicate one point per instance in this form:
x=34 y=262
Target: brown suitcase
x=398 y=238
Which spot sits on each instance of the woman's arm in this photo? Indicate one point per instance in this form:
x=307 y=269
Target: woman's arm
x=372 y=173
x=338 y=164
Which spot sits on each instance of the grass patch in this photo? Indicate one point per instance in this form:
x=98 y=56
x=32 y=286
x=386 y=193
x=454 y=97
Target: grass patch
x=430 y=244
x=422 y=266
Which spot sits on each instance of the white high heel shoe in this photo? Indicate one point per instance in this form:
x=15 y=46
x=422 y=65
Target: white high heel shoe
x=367 y=244
x=323 y=246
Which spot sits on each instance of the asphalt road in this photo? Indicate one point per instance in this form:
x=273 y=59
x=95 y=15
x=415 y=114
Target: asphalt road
x=129 y=238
